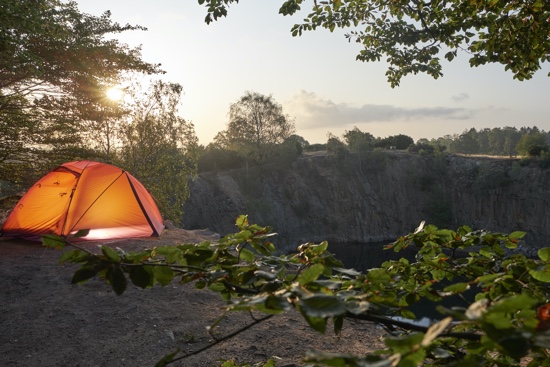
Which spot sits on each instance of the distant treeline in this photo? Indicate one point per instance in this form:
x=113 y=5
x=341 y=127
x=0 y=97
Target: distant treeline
x=526 y=141
x=508 y=141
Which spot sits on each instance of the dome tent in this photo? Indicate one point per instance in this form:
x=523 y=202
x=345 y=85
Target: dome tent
x=78 y=195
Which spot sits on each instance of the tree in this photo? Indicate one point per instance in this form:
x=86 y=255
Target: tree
x=360 y=142
x=466 y=143
x=159 y=147
x=215 y=157
x=532 y=144
x=400 y=142
x=413 y=36
x=256 y=125
x=290 y=149
x=55 y=64
x=336 y=147
x=501 y=317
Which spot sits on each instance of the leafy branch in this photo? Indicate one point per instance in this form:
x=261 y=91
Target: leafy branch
x=506 y=318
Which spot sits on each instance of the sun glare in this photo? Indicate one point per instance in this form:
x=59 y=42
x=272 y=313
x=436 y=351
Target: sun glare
x=115 y=93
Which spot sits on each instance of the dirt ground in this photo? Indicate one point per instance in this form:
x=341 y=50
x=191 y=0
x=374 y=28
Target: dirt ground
x=46 y=321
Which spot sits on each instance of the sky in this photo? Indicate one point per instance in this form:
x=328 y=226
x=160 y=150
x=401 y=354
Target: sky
x=314 y=77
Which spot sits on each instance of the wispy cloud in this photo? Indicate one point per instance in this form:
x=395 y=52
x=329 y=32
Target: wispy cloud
x=312 y=111
x=460 y=97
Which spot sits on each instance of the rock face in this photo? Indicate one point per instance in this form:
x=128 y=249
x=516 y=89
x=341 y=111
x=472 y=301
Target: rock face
x=376 y=197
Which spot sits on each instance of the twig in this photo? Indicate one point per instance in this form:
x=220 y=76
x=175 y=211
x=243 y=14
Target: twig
x=392 y=323
x=217 y=341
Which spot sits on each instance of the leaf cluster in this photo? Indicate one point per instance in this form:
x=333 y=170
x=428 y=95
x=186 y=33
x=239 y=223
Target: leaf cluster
x=505 y=320
x=414 y=36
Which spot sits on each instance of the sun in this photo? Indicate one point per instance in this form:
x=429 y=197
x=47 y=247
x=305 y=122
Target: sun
x=115 y=93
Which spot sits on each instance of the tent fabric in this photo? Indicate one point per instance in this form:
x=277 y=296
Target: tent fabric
x=78 y=195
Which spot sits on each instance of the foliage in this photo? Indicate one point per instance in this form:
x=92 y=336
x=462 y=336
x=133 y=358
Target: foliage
x=466 y=143
x=288 y=151
x=336 y=147
x=315 y=147
x=55 y=65
x=358 y=141
x=214 y=157
x=375 y=161
x=399 y=142
x=532 y=144
x=505 y=320
x=414 y=36
x=426 y=148
x=494 y=141
x=256 y=126
x=159 y=147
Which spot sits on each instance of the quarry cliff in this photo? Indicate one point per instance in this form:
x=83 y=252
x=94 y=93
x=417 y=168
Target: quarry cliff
x=378 y=196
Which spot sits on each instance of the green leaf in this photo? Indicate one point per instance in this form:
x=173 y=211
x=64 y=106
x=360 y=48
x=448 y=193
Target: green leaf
x=163 y=274
x=350 y=272
x=83 y=274
x=81 y=233
x=408 y=314
x=541 y=274
x=515 y=345
x=110 y=254
x=450 y=55
x=457 y=288
x=513 y=304
x=413 y=359
x=174 y=254
x=499 y=320
x=488 y=278
x=140 y=277
x=320 y=248
x=322 y=305
x=517 y=235
x=242 y=221
x=216 y=287
x=544 y=253
x=276 y=304
x=117 y=280
x=311 y=274
x=265 y=249
x=377 y=276
x=265 y=275
x=247 y=255
x=317 y=323
x=53 y=241
x=404 y=343
x=338 y=324
x=74 y=256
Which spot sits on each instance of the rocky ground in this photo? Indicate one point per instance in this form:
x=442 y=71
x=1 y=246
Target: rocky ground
x=46 y=321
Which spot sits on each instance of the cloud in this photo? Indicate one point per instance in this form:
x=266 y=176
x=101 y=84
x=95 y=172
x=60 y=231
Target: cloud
x=312 y=111
x=460 y=97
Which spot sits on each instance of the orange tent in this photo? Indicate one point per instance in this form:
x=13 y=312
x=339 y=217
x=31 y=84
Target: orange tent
x=107 y=200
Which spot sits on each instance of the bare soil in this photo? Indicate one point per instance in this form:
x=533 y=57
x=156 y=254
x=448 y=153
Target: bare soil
x=46 y=321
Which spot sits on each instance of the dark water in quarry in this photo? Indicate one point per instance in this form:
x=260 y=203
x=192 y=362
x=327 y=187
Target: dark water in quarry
x=364 y=256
